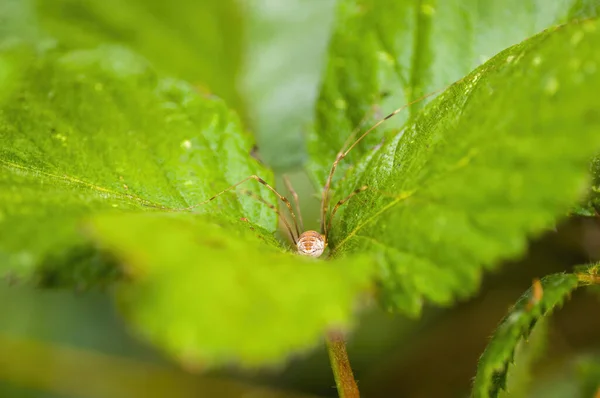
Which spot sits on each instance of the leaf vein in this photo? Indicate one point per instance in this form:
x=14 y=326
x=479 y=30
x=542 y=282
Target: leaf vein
x=68 y=179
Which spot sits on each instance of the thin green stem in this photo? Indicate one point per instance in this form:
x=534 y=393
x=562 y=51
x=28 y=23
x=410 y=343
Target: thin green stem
x=342 y=371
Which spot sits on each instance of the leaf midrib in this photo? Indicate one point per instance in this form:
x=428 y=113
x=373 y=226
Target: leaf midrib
x=65 y=179
x=399 y=198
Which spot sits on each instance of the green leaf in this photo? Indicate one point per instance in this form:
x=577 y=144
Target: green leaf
x=199 y=41
x=492 y=161
x=386 y=53
x=516 y=326
x=98 y=131
x=527 y=354
x=95 y=144
x=212 y=293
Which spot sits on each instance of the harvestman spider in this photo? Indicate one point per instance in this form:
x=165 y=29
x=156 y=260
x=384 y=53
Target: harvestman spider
x=313 y=243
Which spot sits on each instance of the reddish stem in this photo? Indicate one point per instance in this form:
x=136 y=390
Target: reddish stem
x=342 y=371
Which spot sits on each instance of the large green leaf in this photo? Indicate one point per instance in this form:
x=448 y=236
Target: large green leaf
x=386 y=53
x=97 y=130
x=94 y=143
x=491 y=161
x=517 y=326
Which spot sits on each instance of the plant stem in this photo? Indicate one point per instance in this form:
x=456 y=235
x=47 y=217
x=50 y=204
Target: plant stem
x=342 y=371
x=588 y=279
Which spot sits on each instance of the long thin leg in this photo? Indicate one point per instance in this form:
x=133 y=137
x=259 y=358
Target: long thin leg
x=263 y=182
x=290 y=188
x=274 y=208
x=344 y=152
x=341 y=202
x=325 y=193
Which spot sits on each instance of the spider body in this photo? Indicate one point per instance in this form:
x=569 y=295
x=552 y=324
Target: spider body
x=311 y=243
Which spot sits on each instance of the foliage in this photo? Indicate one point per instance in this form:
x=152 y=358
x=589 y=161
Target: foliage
x=211 y=309
x=536 y=304
x=109 y=139
x=518 y=324
x=528 y=354
x=477 y=171
x=95 y=132
x=387 y=53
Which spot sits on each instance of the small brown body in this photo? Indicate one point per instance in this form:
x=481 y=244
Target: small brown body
x=311 y=243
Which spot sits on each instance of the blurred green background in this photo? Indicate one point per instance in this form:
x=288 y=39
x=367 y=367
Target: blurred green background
x=267 y=58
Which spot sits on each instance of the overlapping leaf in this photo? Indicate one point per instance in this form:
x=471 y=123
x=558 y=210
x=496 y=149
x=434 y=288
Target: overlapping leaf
x=213 y=293
x=493 y=160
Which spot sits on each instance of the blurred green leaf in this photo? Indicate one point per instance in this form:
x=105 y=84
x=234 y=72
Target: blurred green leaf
x=495 y=159
x=285 y=58
x=212 y=293
x=199 y=41
x=386 y=53
x=517 y=325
